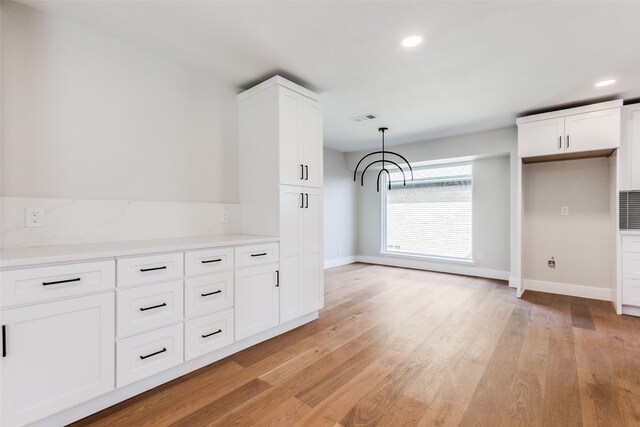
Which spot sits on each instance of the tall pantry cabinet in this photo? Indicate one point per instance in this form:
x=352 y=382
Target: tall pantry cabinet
x=280 y=157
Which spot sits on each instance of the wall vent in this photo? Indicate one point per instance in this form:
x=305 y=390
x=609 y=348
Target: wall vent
x=364 y=117
x=630 y=210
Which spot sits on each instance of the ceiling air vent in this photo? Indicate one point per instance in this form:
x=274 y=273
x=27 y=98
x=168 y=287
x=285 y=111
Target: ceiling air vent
x=364 y=118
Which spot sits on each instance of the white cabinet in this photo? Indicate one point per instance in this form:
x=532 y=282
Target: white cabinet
x=58 y=354
x=257 y=300
x=300 y=126
x=301 y=287
x=591 y=128
x=629 y=176
x=631 y=271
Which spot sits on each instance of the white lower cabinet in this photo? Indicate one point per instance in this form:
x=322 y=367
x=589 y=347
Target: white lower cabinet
x=301 y=255
x=208 y=333
x=208 y=294
x=58 y=354
x=146 y=354
x=257 y=300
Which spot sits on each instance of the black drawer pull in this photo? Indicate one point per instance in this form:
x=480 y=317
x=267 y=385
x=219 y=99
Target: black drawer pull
x=306 y=173
x=211 y=293
x=153 y=354
x=164 y=267
x=301 y=171
x=211 y=260
x=164 y=304
x=262 y=254
x=212 y=333
x=77 y=279
x=4 y=341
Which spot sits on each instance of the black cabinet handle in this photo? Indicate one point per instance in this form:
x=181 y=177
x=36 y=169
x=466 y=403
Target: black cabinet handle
x=77 y=279
x=306 y=172
x=164 y=267
x=212 y=333
x=262 y=254
x=153 y=354
x=4 y=340
x=211 y=260
x=307 y=204
x=301 y=171
x=301 y=200
x=211 y=293
x=164 y=304
x=567 y=142
x=277 y=278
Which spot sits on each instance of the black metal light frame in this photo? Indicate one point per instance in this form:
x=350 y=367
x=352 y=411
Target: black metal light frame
x=384 y=169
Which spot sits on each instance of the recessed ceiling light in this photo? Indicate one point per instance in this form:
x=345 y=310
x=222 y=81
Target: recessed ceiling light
x=605 y=83
x=412 y=41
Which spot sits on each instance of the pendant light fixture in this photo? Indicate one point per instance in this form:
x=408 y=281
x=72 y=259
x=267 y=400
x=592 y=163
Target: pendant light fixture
x=384 y=162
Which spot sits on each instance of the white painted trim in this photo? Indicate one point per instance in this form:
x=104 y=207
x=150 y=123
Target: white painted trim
x=631 y=311
x=513 y=282
x=280 y=81
x=568 y=289
x=571 y=111
x=465 y=270
x=337 y=262
x=118 y=395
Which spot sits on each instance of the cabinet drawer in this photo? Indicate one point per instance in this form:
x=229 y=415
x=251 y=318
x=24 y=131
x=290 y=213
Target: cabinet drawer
x=208 y=261
x=45 y=283
x=208 y=333
x=149 y=269
x=208 y=294
x=631 y=292
x=247 y=256
x=631 y=244
x=631 y=265
x=148 y=307
x=143 y=355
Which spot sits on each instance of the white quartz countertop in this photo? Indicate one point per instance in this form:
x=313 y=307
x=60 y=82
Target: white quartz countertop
x=18 y=257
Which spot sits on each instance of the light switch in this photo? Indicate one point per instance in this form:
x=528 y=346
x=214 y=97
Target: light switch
x=564 y=210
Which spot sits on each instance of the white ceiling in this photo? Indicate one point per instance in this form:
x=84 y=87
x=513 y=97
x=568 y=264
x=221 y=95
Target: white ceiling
x=481 y=65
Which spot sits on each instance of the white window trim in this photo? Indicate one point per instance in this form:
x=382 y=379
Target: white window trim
x=409 y=255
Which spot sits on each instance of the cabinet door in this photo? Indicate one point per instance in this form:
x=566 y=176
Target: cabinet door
x=596 y=130
x=289 y=128
x=313 y=257
x=311 y=143
x=292 y=202
x=541 y=138
x=58 y=354
x=256 y=302
x=635 y=151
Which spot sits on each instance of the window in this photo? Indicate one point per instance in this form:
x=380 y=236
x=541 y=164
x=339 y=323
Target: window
x=431 y=215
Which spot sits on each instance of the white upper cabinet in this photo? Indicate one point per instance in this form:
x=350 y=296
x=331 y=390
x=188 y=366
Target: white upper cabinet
x=300 y=127
x=583 y=129
x=629 y=178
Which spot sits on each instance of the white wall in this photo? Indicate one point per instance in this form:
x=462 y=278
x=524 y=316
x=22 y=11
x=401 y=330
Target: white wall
x=340 y=210
x=579 y=242
x=85 y=116
x=101 y=127
x=494 y=156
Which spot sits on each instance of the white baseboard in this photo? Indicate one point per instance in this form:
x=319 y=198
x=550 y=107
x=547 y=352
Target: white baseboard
x=123 y=393
x=466 y=270
x=568 y=289
x=513 y=281
x=631 y=311
x=337 y=262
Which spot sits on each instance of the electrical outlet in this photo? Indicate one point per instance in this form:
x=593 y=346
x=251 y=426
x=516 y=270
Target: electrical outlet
x=551 y=263
x=564 y=210
x=225 y=216
x=33 y=217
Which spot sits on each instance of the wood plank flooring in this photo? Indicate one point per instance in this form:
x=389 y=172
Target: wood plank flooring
x=400 y=347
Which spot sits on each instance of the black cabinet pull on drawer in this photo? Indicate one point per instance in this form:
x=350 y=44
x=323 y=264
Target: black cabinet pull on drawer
x=211 y=293
x=211 y=260
x=142 y=270
x=57 y=282
x=4 y=340
x=164 y=304
x=153 y=354
x=262 y=254
x=212 y=333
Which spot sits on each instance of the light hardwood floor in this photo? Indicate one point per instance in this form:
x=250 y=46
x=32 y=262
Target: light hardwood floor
x=402 y=347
